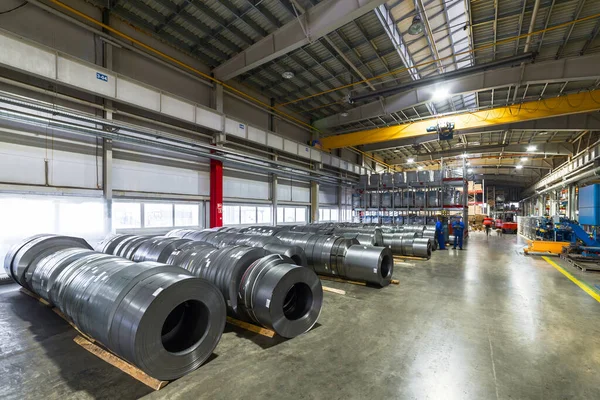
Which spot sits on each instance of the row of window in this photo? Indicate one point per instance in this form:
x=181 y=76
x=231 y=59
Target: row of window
x=154 y=215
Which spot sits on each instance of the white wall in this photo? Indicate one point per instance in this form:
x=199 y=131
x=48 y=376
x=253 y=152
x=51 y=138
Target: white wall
x=292 y=191
x=143 y=177
x=26 y=165
x=328 y=194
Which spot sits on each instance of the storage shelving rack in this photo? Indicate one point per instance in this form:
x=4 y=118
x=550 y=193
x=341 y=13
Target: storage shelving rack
x=368 y=211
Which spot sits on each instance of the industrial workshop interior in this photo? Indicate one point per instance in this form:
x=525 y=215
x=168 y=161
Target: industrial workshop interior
x=300 y=199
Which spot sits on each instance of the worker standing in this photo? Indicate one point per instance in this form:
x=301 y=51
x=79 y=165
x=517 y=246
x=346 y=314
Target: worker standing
x=487 y=223
x=439 y=234
x=458 y=228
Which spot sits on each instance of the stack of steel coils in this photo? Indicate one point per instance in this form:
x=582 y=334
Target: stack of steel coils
x=328 y=255
x=225 y=266
x=270 y=243
x=158 y=317
x=369 y=236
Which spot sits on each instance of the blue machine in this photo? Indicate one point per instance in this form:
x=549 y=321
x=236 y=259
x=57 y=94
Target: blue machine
x=589 y=205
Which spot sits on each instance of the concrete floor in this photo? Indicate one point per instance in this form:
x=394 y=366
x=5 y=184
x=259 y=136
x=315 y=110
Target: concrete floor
x=484 y=323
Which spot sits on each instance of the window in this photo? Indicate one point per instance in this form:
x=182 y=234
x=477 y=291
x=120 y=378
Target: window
x=289 y=215
x=248 y=215
x=334 y=214
x=263 y=215
x=300 y=214
x=71 y=214
x=186 y=215
x=158 y=215
x=126 y=215
x=231 y=215
x=328 y=214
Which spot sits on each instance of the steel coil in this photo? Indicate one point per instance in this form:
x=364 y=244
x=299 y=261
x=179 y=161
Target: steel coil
x=280 y=295
x=158 y=317
x=296 y=253
x=22 y=260
x=157 y=249
x=422 y=247
x=370 y=264
x=222 y=267
x=430 y=234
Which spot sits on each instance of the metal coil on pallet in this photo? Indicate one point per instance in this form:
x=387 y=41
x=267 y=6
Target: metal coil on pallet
x=282 y=296
x=421 y=247
x=370 y=264
x=296 y=253
x=158 y=317
x=20 y=263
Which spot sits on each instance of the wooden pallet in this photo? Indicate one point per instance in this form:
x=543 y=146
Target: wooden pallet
x=333 y=279
x=101 y=352
x=251 y=327
x=402 y=258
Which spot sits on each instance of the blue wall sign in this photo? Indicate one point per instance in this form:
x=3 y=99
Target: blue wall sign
x=102 y=77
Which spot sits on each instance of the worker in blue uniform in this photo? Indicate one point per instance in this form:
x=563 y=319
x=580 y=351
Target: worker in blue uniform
x=439 y=234
x=459 y=228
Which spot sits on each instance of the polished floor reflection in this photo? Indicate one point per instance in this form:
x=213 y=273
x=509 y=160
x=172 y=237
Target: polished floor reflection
x=483 y=323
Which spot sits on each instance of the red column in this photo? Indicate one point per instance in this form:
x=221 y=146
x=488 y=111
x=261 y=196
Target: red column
x=216 y=193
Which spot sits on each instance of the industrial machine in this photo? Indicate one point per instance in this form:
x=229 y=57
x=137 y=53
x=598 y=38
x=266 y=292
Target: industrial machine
x=445 y=130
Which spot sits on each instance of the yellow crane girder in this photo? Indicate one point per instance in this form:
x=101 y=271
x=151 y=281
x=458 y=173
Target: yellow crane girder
x=544 y=108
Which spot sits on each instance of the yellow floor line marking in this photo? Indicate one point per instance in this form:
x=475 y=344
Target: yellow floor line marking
x=582 y=285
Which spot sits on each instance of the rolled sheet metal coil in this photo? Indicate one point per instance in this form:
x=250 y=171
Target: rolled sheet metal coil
x=430 y=234
x=280 y=295
x=262 y=230
x=22 y=260
x=222 y=267
x=158 y=317
x=422 y=247
x=158 y=249
x=295 y=253
x=393 y=241
x=370 y=264
x=294 y=238
x=127 y=247
x=109 y=244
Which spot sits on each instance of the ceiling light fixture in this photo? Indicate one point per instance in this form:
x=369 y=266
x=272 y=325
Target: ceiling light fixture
x=470 y=170
x=440 y=94
x=519 y=167
x=464 y=155
x=417 y=27
x=542 y=133
x=288 y=75
x=531 y=148
x=410 y=160
x=523 y=159
x=344 y=114
x=420 y=168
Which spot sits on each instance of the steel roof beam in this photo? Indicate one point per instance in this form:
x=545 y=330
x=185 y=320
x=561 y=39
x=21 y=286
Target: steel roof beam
x=546 y=149
x=580 y=68
x=574 y=103
x=577 y=122
x=318 y=21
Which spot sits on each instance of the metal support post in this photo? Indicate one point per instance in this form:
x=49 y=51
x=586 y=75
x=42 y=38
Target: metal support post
x=274 y=197
x=107 y=183
x=314 y=201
